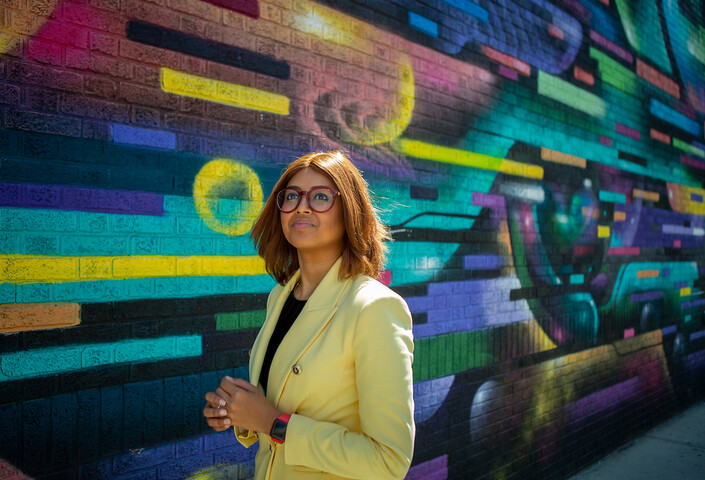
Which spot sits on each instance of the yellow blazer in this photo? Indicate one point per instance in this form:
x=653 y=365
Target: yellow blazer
x=344 y=373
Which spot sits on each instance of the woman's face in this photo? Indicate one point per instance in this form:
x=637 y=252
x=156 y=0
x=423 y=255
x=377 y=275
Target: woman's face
x=308 y=230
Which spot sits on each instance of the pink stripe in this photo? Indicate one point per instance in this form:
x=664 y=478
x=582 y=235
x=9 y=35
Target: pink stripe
x=623 y=251
x=580 y=250
x=629 y=132
x=605 y=141
x=692 y=162
x=616 y=49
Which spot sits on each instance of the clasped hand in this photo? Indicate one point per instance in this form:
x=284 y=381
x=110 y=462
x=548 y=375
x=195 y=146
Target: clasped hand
x=237 y=402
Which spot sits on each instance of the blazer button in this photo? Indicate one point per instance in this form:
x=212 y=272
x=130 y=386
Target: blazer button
x=296 y=369
x=270 y=448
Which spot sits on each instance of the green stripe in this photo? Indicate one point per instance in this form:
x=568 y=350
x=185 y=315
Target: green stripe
x=569 y=94
x=448 y=354
x=240 y=320
x=613 y=73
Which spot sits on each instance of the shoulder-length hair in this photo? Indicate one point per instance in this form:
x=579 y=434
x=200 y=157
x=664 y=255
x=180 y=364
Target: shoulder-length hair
x=364 y=248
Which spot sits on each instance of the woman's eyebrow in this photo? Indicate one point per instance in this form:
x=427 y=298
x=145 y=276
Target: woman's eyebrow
x=315 y=186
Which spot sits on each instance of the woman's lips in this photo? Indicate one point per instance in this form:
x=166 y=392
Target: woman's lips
x=299 y=224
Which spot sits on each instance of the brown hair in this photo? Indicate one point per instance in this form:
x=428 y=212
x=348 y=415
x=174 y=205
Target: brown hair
x=364 y=249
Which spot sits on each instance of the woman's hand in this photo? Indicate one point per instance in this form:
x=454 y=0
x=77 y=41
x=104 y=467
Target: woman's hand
x=238 y=402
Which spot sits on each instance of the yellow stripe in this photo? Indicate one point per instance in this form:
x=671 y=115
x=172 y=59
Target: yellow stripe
x=685 y=291
x=227 y=93
x=603 y=231
x=20 y=317
x=38 y=269
x=559 y=157
x=455 y=156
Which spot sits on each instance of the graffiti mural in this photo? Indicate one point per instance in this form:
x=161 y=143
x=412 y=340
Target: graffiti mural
x=540 y=165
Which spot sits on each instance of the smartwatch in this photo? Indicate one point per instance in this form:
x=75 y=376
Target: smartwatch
x=278 y=431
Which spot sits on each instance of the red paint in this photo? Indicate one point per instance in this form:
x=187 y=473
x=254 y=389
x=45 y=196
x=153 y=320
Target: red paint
x=624 y=251
x=246 y=7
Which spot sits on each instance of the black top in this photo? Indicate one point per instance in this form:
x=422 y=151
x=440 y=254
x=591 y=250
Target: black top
x=291 y=310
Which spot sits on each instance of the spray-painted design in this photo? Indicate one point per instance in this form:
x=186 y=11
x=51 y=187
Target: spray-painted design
x=540 y=166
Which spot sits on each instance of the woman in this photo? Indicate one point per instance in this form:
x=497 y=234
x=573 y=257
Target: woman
x=331 y=392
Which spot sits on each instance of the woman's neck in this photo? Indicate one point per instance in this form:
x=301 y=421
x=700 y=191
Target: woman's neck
x=313 y=266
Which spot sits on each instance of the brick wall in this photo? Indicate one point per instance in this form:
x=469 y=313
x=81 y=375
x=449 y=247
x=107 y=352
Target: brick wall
x=540 y=164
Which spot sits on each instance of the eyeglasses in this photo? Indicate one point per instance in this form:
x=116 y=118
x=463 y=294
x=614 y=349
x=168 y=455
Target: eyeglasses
x=320 y=199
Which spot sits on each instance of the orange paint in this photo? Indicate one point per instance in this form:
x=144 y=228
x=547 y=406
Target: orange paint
x=647 y=274
x=20 y=317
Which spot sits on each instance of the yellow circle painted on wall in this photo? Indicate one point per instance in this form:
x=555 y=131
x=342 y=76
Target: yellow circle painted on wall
x=228 y=196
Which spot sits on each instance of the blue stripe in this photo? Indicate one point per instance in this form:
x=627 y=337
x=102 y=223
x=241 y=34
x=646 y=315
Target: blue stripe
x=670 y=329
x=667 y=114
x=54 y=360
x=423 y=24
x=470 y=7
x=143 y=137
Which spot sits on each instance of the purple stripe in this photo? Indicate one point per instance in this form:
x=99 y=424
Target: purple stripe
x=80 y=199
x=646 y=296
x=679 y=285
x=616 y=49
x=508 y=73
x=435 y=469
x=487 y=200
x=605 y=141
x=579 y=10
x=694 y=197
x=691 y=304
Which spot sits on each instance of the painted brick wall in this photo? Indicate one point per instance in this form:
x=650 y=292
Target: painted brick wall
x=540 y=164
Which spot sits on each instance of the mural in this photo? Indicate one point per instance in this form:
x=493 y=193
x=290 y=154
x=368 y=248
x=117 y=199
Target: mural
x=540 y=164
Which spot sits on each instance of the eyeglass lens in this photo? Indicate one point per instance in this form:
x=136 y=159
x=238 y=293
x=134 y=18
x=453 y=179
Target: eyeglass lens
x=319 y=199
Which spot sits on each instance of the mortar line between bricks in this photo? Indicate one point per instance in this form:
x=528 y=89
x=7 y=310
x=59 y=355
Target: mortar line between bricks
x=694 y=445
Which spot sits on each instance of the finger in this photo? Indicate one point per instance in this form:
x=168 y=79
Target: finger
x=214 y=399
x=244 y=384
x=217 y=412
x=225 y=395
x=229 y=387
x=221 y=423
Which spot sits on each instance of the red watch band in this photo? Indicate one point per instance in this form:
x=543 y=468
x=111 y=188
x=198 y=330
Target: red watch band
x=278 y=431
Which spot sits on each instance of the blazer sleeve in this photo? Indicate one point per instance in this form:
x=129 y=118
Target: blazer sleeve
x=383 y=349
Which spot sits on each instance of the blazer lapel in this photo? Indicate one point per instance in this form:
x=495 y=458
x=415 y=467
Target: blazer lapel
x=315 y=316
x=259 y=348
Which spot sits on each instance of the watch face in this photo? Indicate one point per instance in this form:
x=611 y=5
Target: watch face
x=278 y=432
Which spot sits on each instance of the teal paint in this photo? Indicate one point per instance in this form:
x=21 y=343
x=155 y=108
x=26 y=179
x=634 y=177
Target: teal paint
x=577 y=279
x=612 y=197
x=667 y=114
x=54 y=360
